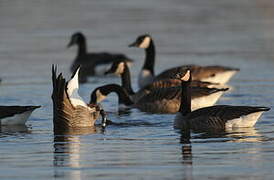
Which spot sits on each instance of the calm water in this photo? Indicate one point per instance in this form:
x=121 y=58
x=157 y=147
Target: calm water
x=34 y=34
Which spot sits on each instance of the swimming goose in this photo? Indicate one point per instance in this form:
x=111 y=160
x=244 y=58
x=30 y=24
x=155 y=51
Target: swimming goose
x=15 y=115
x=165 y=100
x=215 y=74
x=213 y=117
x=91 y=62
x=70 y=111
x=121 y=69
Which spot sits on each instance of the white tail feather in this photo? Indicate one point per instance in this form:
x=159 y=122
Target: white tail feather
x=72 y=90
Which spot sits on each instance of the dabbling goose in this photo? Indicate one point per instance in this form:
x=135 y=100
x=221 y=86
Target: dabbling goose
x=215 y=74
x=70 y=111
x=213 y=117
x=121 y=69
x=165 y=100
x=15 y=115
x=91 y=62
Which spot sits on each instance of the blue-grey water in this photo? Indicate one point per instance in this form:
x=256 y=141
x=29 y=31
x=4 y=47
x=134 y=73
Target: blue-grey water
x=34 y=35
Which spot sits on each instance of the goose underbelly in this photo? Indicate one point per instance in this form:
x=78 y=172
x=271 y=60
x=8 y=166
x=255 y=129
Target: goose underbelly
x=221 y=78
x=205 y=101
x=244 y=121
x=17 y=119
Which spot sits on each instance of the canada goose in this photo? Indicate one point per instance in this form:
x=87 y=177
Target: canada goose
x=215 y=74
x=91 y=62
x=121 y=69
x=165 y=100
x=15 y=115
x=70 y=111
x=213 y=117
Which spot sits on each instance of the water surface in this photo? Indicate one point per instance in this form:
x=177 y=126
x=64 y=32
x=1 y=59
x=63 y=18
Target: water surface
x=34 y=34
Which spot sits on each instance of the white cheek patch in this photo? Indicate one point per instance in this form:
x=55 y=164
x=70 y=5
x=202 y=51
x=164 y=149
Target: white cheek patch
x=186 y=76
x=146 y=42
x=120 y=68
x=100 y=97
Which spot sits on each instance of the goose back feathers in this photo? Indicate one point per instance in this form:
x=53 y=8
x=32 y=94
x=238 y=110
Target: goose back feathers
x=166 y=100
x=121 y=69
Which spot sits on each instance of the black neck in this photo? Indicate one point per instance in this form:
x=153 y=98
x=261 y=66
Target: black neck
x=120 y=91
x=150 y=58
x=185 y=106
x=82 y=47
x=126 y=81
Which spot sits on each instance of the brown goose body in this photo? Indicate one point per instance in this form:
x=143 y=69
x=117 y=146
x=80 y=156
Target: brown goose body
x=199 y=73
x=66 y=115
x=213 y=117
x=121 y=69
x=168 y=100
x=165 y=100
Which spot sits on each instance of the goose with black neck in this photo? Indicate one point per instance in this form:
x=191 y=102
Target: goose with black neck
x=213 y=117
x=214 y=74
x=94 y=63
x=121 y=69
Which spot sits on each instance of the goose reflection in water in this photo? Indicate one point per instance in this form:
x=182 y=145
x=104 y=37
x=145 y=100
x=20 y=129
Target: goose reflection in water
x=13 y=130
x=186 y=154
x=229 y=135
x=250 y=136
x=67 y=153
x=238 y=135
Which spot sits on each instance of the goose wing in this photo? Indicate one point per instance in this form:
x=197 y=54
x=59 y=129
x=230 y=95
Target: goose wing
x=175 y=93
x=197 y=87
x=217 y=116
x=8 y=111
x=198 y=72
x=62 y=107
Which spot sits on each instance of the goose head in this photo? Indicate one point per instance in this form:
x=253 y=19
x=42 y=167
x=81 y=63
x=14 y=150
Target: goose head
x=117 y=68
x=98 y=95
x=142 y=41
x=76 y=38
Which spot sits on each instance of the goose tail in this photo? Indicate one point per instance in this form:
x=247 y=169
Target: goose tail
x=58 y=98
x=263 y=109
